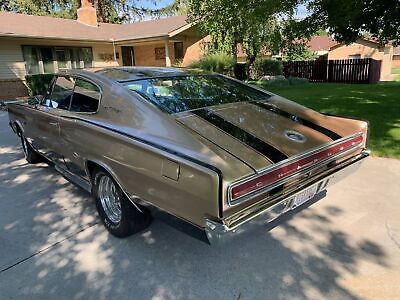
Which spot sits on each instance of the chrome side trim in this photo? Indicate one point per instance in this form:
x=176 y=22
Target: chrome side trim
x=286 y=162
x=87 y=186
x=270 y=209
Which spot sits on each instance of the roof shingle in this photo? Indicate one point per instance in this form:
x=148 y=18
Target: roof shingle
x=15 y=24
x=321 y=42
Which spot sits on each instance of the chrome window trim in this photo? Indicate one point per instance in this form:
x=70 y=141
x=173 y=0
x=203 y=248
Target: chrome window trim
x=72 y=98
x=286 y=162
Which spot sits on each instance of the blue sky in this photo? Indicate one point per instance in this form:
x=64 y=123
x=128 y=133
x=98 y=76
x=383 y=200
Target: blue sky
x=152 y=5
x=301 y=10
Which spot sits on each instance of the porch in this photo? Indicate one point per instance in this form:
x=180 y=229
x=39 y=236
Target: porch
x=178 y=49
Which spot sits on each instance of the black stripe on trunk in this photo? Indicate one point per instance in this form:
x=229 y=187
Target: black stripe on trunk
x=247 y=138
x=272 y=108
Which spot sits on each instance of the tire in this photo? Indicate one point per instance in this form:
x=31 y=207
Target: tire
x=30 y=154
x=118 y=214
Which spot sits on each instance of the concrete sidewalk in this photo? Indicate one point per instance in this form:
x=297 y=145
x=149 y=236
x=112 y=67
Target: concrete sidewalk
x=346 y=246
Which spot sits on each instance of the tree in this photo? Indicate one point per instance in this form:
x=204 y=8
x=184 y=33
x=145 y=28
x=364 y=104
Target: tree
x=259 y=37
x=251 y=23
x=58 y=8
x=351 y=19
x=108 y=11
x=293 y=40
x=298 y=51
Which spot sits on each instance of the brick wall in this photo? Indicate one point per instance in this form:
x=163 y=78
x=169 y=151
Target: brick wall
x=364 y=48
x=12 y=88
x=396 y=61
x=145 y=55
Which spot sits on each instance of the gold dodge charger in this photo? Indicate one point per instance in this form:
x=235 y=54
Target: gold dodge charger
x=207 y=149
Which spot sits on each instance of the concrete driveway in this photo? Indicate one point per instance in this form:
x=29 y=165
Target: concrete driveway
x=346 y=246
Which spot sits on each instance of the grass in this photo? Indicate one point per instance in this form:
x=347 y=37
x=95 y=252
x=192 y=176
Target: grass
x=377 y=103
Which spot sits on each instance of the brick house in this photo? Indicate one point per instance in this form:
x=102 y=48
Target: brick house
x=42 y=44
x=396 y=57
x=363 y=48
x=327 y=48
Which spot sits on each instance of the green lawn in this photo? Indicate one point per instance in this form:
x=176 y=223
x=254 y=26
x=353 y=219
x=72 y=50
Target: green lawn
x=377 y=103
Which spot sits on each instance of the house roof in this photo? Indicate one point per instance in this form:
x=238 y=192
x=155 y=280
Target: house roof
x=22 y=25
x=321 y=43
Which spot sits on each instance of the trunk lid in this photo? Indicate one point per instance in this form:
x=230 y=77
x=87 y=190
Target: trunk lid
x=259 y=133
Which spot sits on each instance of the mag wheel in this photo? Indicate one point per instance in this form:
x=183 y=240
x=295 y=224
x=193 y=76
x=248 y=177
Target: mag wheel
x=119 y=215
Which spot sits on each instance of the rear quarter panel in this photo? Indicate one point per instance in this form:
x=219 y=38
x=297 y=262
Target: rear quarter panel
x=139 y=169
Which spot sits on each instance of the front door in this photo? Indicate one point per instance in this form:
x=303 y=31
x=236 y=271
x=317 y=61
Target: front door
x=85 y=100
x=46 y=126
x=128 y=56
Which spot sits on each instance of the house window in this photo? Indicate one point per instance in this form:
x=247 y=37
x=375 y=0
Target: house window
x=40 y=59
x=31 y=59
x=355 y=56
x=61 y=58
x=86 y=57
x=178 y=50
x=159 y=53
x=47 y=59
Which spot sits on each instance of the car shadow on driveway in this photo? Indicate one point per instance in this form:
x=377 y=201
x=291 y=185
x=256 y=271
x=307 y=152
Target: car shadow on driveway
x=53 y=246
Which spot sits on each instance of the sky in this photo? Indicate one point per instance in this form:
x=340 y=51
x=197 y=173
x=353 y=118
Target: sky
x=153 y=4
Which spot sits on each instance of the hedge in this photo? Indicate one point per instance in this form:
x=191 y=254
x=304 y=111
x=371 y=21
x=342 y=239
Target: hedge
x=265 y=66
x=216 y=62
x=38 y=84
x=279 y=82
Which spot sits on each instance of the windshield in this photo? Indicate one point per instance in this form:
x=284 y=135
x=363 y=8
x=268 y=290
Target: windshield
x=182 y=93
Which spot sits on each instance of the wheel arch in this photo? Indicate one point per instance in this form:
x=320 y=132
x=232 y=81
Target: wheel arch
x=18 y=127
x=92 y=164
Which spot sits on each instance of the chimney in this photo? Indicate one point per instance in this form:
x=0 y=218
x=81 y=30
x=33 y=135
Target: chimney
x=87 y=14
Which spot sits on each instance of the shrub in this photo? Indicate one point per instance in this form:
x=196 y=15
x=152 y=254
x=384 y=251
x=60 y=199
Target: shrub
x=278 y=81
x=215 y=62
x=275 y=82
x=297 y=80
x=38 y=84
x=266 y=66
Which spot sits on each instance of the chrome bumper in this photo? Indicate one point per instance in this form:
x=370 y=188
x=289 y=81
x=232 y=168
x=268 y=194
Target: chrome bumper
x=267 y=211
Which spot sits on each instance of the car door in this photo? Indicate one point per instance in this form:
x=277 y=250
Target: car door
x=85 y=101
x=45 y=126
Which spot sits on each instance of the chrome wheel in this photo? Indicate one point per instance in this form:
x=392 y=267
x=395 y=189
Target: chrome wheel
x=110 y=199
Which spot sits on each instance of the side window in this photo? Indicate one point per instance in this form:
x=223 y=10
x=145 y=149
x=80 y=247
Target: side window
x=86 y=97
x=60 y=96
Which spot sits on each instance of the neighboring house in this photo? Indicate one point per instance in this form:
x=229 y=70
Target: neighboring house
x=365 y=48
x=327 y=48
x=41 y=44
x=320 y=45
x=396 y=58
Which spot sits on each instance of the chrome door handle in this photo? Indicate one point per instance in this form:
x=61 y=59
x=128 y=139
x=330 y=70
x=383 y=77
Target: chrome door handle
x=53 y=123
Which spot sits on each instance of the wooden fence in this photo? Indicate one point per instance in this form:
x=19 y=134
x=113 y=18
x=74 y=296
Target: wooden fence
x=365 y=70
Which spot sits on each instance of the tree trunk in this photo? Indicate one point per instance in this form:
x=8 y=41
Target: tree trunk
x=234 y=51
x=251 y=72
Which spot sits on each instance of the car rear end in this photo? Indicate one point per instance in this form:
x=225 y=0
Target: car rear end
x=284 y=186
x=272 y=155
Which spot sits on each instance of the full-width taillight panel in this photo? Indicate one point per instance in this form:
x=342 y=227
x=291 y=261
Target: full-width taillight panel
x=278 y=174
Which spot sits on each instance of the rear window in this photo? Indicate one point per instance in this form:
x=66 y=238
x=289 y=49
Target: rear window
x=182 y=93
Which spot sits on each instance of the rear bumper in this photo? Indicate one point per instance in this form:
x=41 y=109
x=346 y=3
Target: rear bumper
x=267 y=211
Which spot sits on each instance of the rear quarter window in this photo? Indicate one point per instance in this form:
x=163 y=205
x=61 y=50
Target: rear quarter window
x=86 y=97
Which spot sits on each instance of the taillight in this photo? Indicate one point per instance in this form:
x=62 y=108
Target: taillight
x=286 y=170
